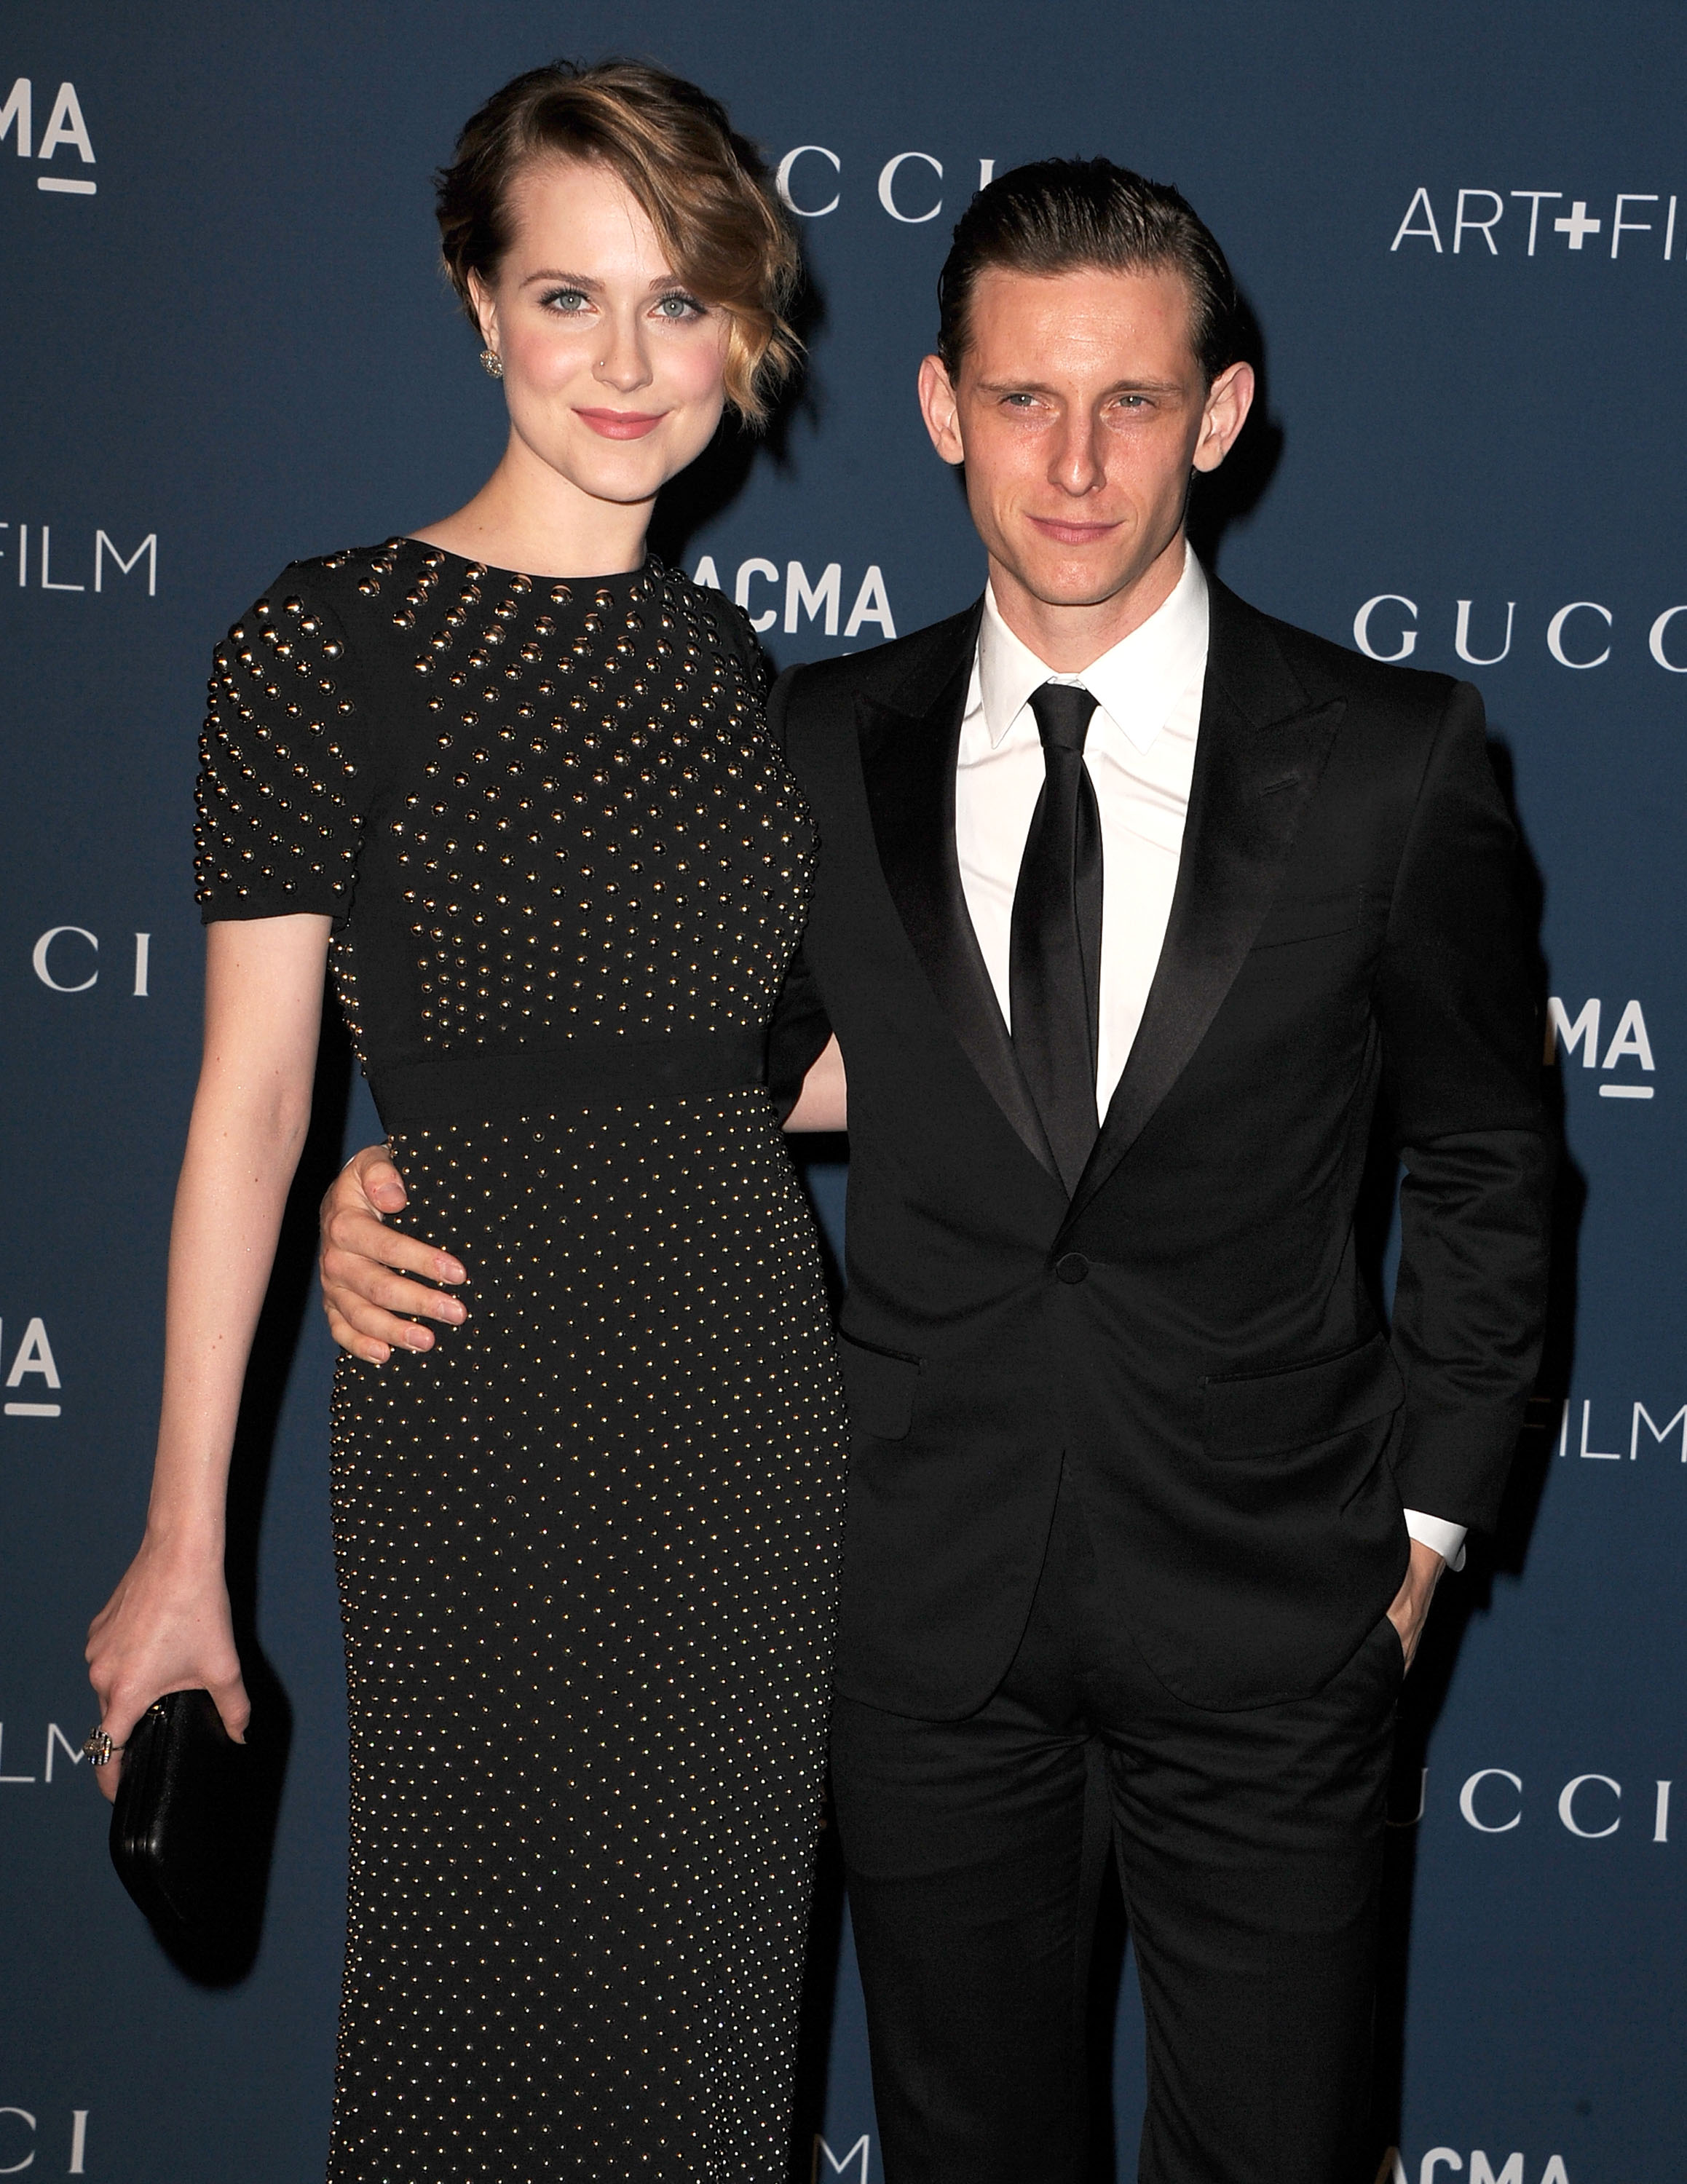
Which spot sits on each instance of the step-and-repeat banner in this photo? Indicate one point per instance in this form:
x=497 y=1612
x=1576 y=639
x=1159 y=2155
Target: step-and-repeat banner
x=1464 y=232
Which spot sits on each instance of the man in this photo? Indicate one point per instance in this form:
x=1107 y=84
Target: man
x=1132 y=905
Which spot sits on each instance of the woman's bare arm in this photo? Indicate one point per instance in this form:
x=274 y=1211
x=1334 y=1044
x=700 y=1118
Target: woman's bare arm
x=166 y=1627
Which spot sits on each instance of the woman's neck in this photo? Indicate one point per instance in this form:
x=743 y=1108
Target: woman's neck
x=526 y=517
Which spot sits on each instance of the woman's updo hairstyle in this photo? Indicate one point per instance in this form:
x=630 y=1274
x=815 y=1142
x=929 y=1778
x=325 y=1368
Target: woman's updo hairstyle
x=704 y=188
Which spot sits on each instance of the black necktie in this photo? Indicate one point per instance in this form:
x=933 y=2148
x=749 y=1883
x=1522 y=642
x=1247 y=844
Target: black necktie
x=1055 y=960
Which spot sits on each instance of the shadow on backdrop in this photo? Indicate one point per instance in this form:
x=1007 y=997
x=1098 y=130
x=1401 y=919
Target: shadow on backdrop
x=1230 y=494
x=703 y=493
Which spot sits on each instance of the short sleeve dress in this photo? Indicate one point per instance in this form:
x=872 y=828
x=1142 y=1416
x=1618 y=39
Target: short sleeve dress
x=587 y=1545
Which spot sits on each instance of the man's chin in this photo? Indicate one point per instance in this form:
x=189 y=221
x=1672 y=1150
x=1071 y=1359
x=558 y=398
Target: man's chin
x=1069 y=585
x=1059 y=576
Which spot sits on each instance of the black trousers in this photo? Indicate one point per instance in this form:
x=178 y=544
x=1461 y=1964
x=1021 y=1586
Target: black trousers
x=1249 y=1850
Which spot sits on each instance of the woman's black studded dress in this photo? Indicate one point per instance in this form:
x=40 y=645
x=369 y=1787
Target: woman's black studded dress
x=587 y=1545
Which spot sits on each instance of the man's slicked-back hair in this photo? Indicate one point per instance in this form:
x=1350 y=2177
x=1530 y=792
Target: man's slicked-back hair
x=1070 y=215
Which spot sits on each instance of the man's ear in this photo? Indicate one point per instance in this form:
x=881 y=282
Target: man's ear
x=1228 y=400
x=486 y=311
x=940 y=409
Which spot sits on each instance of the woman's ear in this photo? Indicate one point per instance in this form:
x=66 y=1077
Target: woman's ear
x=486 y=312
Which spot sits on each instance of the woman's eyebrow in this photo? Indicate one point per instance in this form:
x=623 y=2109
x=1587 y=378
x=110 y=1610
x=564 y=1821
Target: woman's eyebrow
x=585 y=281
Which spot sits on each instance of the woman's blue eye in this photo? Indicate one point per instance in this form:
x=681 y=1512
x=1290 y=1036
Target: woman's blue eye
x=568 y=301
x=682 y=306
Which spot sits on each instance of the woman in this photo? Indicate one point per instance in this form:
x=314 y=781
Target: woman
x=510 y=778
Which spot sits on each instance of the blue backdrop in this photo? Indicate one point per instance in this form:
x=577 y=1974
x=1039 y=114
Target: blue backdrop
x=226 y=344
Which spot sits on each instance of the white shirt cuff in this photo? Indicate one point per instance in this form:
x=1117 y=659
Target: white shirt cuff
x=1447 y=1540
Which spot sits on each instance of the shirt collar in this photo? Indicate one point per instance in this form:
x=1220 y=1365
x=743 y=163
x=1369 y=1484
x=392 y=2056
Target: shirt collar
x=1136 y=683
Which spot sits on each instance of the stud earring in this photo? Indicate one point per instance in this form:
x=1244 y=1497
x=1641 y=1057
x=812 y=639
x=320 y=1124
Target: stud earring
x=492 y=364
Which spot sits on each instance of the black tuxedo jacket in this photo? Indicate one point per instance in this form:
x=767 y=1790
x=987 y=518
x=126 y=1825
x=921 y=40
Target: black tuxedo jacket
x=1190 y=1333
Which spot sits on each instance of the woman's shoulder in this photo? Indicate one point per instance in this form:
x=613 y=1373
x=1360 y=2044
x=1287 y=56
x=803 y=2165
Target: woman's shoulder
x=719 y=618
x=358 y=583
x=327 y=641
x=353 y=612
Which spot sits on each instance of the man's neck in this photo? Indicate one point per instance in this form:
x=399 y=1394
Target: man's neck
x=1068 y=639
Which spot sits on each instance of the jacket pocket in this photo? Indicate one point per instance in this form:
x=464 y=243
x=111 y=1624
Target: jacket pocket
x=878 y=1388
x=1295 y=1405
x=1310 y=918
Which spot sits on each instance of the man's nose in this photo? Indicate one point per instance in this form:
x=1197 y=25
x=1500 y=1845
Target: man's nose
x=1079 y=465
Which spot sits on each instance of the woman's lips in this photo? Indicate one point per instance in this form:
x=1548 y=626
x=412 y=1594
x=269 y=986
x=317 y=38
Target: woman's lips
x=620 y=423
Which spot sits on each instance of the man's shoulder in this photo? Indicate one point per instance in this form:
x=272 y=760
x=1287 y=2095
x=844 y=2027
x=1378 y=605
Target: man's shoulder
x=885 y=674
x=1328 y=670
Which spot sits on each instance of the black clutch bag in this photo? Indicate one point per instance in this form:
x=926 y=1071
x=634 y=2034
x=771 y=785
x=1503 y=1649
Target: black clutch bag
x=184 y=1833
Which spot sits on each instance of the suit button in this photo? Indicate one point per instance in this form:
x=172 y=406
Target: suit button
x=1073 y=1268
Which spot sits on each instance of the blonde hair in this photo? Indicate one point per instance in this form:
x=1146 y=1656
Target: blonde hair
x=704 y=188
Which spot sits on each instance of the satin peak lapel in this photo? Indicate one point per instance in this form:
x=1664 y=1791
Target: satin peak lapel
x=908 y=764
x=1260 y=753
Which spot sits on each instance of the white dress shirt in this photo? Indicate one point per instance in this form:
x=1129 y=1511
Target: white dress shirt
x=1140 y=754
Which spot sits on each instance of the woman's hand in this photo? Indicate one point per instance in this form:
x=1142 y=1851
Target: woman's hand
x=363 y=1291
x=165 y=1629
